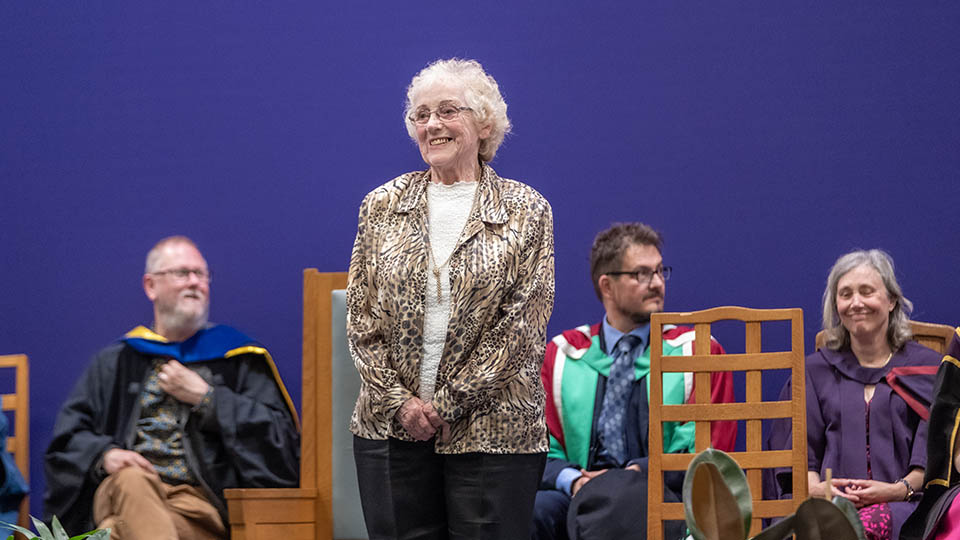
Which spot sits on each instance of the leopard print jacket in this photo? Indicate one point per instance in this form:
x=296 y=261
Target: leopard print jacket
x=502 y=286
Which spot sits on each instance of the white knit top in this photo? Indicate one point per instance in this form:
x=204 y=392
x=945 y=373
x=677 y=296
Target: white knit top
x=448 y=207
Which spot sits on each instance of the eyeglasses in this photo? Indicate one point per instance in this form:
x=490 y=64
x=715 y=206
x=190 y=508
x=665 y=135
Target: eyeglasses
x=645 y=274
x=182 y=275
x=446 y=112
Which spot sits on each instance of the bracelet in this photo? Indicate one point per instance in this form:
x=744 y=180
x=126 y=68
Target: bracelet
x=910 y=490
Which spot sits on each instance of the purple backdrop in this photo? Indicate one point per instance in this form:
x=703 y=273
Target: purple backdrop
x=763 y=138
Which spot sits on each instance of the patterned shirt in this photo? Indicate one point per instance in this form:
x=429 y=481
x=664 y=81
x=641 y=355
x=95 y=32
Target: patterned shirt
x=159 y=430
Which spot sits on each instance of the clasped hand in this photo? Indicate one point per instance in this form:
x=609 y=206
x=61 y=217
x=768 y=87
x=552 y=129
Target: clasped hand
x=422 y=421
x=861 y=492
x=182 y=383
x=586 y=476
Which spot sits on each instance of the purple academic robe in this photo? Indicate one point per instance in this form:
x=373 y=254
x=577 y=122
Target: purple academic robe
x=836 y=413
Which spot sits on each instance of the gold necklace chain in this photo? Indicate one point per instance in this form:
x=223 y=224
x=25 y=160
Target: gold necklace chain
x=884 y=363
x=433 y=261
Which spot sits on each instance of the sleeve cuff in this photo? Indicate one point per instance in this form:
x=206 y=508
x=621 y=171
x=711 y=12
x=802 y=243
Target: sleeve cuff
x=98 y=473
x=445 y=406
x=206 y=401
x=393 y=400
x=204 y=410
x=566 y=478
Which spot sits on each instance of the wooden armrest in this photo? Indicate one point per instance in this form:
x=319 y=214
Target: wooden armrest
x=269 y=493
x=262 y=513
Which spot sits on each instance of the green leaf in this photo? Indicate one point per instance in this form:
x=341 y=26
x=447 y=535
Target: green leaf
x=816 y=519
x=26 y=532
x=98 y=534
x=779 y=530
x=853 y=516
x=819 y=518
x=90 y=534
x=716 y=497
x=42 y=531
x=58 y=532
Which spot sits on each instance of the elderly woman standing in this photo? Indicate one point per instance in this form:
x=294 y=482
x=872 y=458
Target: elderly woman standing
x=450 y=289
x=868 y=395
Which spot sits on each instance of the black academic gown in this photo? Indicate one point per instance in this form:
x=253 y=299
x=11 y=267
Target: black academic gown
x=251 y=440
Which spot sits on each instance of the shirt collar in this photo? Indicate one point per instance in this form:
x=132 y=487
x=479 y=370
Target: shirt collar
x=490 y=204
x=611 y=336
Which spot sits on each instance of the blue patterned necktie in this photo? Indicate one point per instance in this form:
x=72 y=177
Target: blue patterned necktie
x=613 y=413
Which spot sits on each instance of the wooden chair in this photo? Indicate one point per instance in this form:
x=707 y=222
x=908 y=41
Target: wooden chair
x=306 y=512
x=935 y=336
x=754 y=362
x=18 y=442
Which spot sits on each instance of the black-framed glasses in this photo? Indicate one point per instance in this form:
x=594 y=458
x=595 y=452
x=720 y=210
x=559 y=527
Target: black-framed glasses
x=644 y=275
x=446 y=112
x=182 y=275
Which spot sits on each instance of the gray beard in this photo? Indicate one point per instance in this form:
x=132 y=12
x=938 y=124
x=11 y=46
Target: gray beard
x=185 y=324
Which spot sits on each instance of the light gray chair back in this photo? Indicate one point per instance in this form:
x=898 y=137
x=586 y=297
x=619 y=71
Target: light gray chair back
x=347 y=514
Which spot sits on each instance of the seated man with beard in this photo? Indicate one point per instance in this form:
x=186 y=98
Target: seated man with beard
x=595 y=377
x=165 y=419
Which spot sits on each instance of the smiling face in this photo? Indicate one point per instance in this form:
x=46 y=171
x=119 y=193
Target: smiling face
x=863 y=303
x=630 y=302
x=452 y=147
x=180 y=306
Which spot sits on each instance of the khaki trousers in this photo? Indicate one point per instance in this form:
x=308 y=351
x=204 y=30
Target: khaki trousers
x=137 y=505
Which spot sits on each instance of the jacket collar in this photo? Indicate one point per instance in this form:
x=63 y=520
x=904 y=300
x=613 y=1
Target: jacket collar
x=846 y=363
x=490 y=205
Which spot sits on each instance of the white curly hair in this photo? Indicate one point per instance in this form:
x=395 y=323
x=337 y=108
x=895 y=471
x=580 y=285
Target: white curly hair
x=480 y=91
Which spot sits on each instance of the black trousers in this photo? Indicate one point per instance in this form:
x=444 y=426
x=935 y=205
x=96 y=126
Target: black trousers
x=409 y=492
x=612 y=506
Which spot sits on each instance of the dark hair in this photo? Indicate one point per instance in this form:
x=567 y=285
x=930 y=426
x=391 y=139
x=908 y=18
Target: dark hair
x=606 y=255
